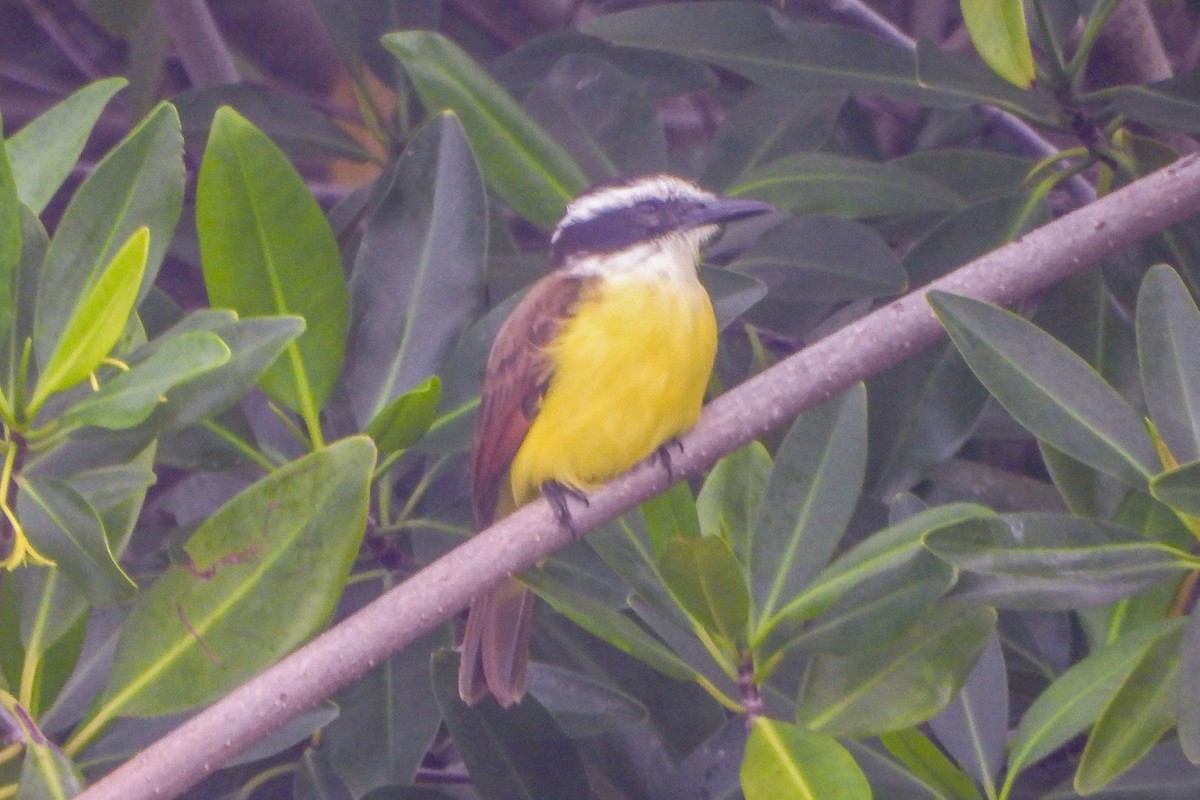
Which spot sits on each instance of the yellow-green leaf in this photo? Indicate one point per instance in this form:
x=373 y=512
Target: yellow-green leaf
x=997 y=29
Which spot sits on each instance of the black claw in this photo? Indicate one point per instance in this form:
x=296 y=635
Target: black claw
x=557 y=493
x=663 y=454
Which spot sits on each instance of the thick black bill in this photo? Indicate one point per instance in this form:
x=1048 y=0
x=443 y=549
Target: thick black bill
x=726 y=209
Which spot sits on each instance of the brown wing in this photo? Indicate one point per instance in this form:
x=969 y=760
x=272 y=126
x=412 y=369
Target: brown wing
x=513 y=385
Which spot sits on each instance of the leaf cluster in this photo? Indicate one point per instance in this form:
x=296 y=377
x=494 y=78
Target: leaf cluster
x=971 y=577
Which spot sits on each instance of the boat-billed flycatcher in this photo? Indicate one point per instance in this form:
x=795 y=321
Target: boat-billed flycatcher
x=601 y=363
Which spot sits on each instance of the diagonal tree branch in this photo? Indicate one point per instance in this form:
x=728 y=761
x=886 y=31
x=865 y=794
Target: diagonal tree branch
x=878 y=341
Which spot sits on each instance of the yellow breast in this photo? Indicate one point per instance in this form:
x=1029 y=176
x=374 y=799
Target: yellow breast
x=629 y=373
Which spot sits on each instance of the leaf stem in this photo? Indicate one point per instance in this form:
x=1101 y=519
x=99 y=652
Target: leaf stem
x=239 y=444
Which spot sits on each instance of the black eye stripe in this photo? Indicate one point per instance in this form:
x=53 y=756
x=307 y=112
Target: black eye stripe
x=621 y=227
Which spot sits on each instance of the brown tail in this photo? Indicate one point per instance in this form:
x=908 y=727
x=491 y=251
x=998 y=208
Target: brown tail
x=495 y=649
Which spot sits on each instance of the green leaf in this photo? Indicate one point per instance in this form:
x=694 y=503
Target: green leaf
x=808 y=502
x=1168 y=340
x=1179 y=488
x=731 y=495
x=732 y=294
x=921 y=413
x=601 y=116
x=706 y=578
x=997 y=29
x=129 y=397
x=526 y=169
x=139 y=184
x=518 y=753
x=768 y=124
x=1189 y=690
x=825 y=183
x=891 y=549
x=671 y=515
x=393 y=707
x=974 y=727
x=404 y=420
x=786 y=762
x=611 y=626
x=1140 y=712
x=1053 y=560
x=418 y=276
x=294 y=124
x=254 y=344
x=1173 y=104
x=10 y=229
x=266 y=249
x=770 y=49
x=823 y=259
x=1048 y=389
x=64 y=527
x=877 y=610
x=913 y=749
x=18 y=293
x=584 y=706
x=46 y=149
x=1075 y=699
x=975 y=175
x=184 y=643
x=961 y=75
x=46 y=774
x=96 y=324
x=900 y=684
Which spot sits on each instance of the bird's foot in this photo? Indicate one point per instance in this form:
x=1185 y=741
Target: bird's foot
x=557 y=493
x=663 y=455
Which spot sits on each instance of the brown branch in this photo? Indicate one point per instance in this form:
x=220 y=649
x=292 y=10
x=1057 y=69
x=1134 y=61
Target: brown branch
x=518 y=542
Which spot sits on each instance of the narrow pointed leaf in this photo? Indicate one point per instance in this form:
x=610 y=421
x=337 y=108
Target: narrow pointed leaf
x=254 y=345
x=601 y=116
x=900 y=684
x=64 y=527
x=404 y=420
x=47 y=148
x=47 y=774
x=974 y=727
x=139 y=184
x=879 y=609
x=671 y=515
x=786 y=762
x=1189 y=690
x=184 y=643
x=769 y=49
x=1074 y=700
x=825 y=183
x=1048 y=389
x=1179 y=488
x=615 y=628
x=997 y=29
x=1168 y=340
x=809 y=499
x=129 y=397
x=1141 y=711
x=1171 y=104
x=515 y=754
x=267 y=249
x=97 y=322
x=706 y=578
x=891 y=549
x=10 y=231
x=418 y=277
x=527 y=169
x=731 y=494
x=927 y=762
x=1053 y=561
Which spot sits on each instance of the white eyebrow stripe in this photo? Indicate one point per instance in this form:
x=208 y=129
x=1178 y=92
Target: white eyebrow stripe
x=610 y=198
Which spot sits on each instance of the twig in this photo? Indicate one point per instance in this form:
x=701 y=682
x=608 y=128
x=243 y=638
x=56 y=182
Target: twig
x=1033 y=142
x=880 y=340
x=198 y=42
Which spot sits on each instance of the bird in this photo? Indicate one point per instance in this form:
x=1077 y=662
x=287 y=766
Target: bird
x=603 y=362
